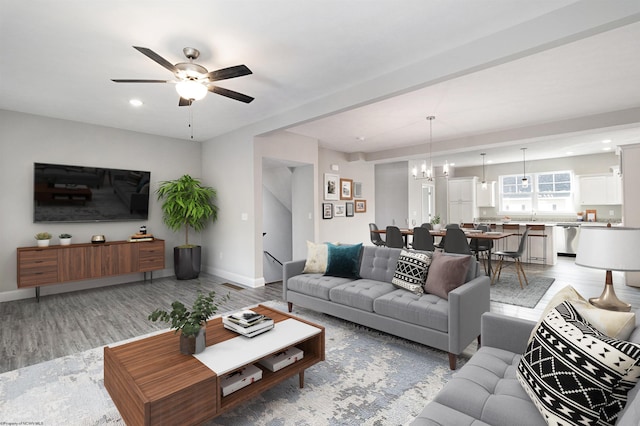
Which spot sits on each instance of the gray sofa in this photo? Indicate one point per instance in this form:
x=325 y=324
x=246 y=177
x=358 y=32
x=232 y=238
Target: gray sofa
x=449 y=325
x=486 y=391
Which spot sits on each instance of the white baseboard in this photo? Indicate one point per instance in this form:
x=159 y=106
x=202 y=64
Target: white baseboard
x=235 y=278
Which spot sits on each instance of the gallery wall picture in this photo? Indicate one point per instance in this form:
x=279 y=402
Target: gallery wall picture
x=339 y=210
x=327 y=210
x=349 y=209
x=357 y=189
x=346 y=185
x=361 y=206
x=331 y=187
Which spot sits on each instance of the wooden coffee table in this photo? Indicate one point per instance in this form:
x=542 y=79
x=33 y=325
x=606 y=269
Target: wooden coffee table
x=152 y=383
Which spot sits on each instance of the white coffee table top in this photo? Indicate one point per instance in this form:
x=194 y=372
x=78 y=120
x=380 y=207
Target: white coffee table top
x=234 y=353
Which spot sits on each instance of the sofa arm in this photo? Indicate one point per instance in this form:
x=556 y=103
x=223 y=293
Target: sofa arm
x=504 y=332
x=467 y=303
x=290 y=269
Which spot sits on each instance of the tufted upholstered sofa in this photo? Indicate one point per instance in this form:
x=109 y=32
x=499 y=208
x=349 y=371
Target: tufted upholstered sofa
x=449 y=325
x=486 y=391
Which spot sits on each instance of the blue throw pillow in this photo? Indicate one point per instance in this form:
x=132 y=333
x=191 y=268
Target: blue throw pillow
x=344 y=260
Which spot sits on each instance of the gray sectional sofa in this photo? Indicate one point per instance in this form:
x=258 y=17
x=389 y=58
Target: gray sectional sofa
x=373 y=301
x=486 y=391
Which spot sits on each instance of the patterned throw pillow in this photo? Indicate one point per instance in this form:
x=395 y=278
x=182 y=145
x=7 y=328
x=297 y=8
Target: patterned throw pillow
x=411 y=271
x=576 y=375
x=317 y=258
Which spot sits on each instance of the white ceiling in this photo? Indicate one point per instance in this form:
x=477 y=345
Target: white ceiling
x=58 y=59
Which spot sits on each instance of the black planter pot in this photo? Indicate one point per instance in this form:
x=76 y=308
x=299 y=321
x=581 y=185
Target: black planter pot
x=193 y=344
x=186 y=262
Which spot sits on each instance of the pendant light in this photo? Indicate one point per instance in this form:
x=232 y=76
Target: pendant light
x=525 y=181
x=484 y=181
x=427 y=173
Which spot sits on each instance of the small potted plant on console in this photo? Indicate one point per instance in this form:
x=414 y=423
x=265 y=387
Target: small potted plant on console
x=191 y=324
x=43 y=239
x=65 y=239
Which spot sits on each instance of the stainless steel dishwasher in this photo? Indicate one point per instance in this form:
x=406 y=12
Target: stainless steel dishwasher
x=568 y=235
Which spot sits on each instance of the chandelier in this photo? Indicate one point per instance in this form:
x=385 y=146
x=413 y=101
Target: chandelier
x=427 y=173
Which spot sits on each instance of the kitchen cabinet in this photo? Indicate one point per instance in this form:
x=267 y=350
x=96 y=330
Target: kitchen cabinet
x=600 y=190
x=462 y=200
x=486 y=197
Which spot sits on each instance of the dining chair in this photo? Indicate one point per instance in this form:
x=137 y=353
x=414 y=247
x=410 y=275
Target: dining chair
x=456 y=242
x=516 y=256
x=427 y=225
x=376 y=239
x=422 y=239
x=448 y=226
x=394 y=237
x=480 y=246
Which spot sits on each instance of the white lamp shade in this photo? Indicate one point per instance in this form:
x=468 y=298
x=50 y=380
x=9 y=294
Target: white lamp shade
x=612 y=249
x=190 y=89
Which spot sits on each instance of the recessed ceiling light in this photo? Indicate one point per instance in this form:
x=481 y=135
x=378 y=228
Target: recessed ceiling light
x=360 y=138
x=606 y=141
x=569 y=153
x=452 y=164
x=135 y=102
x=606 y=148
x=489 y=161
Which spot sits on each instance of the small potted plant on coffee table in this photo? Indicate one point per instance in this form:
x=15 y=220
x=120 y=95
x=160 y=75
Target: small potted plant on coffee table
x=43 y=239
x=191 y=324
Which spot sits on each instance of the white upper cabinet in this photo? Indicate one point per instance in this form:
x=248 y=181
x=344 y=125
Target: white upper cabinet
x=600 y=189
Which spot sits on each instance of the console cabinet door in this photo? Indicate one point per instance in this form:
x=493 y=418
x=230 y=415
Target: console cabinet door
x=79 y=263
x=119 y=259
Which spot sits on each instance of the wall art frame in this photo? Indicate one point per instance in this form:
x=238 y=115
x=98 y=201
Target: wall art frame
x=331 y=187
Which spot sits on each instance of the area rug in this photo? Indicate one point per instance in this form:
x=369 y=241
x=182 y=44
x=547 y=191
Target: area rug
x=507 y=290
x=368 y=378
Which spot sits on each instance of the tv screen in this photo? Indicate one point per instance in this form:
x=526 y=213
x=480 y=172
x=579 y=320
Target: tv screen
x=67 y=193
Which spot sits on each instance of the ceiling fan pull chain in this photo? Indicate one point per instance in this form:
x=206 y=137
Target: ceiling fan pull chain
x=191 y=118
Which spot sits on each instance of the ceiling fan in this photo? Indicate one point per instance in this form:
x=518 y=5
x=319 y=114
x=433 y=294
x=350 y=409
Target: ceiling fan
x=193 y=81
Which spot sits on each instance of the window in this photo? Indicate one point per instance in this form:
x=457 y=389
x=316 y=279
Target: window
x=547 y=193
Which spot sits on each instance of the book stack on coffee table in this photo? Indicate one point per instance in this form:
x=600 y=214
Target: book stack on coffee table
x=247 y=323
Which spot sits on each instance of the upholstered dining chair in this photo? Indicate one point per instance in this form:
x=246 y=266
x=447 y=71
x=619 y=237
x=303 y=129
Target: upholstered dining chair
x=376 y=239
x=448 y=226
x=456 y=242
x=394 y=237
x=422 y=239
x=427 y=225
x=516 y=256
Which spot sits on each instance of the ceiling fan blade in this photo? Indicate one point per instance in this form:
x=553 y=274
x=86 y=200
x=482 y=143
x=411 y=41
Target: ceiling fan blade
x=184 y=102
x=159 y=59
x=230 y=94
x=139 y=81
x=231 y=72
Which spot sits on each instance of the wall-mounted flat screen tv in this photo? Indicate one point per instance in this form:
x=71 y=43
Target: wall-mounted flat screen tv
x=69 y=193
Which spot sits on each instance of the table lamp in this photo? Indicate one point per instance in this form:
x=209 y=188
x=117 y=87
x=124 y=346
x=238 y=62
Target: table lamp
x=611 y=249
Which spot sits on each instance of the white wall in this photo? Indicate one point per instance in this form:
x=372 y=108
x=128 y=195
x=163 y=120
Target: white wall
x=25 y=139
x=392 y=191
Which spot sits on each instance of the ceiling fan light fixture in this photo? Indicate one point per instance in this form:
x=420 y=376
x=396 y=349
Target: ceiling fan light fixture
x=192 y=90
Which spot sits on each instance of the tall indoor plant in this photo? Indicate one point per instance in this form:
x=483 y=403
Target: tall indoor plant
x=187 y=204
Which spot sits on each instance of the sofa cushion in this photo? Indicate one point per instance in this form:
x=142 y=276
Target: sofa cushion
x=316 y=285
x=360 y=294
x=343 y=261
x=317 y=257
x=576 y=374
x=379 y=263
x=618 y=325
x=486 y=389
x=426 y=310
x=446 y=273
x=411 y=271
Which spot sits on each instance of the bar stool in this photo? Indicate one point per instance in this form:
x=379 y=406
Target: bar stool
x=540 y=231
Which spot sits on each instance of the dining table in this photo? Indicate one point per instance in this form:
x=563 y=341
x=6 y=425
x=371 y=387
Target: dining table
x=470 y=233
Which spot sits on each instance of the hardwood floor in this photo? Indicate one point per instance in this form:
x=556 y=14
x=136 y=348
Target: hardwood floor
x=66 y=323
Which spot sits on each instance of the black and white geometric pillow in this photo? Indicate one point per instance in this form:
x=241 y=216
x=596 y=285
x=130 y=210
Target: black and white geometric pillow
x=575 y=374
x=411 y=271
